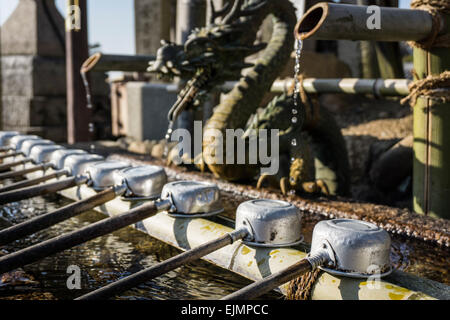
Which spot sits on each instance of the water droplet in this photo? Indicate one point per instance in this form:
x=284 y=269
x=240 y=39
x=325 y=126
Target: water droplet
x=292 y=160
x=91 y=127
x=294 y=120
x=294 y=111
x=294 y=142
x=92 y=147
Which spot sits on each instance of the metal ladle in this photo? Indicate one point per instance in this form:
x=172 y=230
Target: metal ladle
x=263 y=222
x=10 y=142
x=40 y=156
x=74 y=167
x=43 y=156
x=23 y=146
x=5 y=137
x=100 y=228
x=343 y=247
x=143 y=182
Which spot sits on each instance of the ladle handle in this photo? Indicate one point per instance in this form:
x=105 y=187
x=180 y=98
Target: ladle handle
x=7 y=166
x=49 y=219
x=6 y=149
x=74 y=238
x=273 y=281
x=20 y=173
x=10 y=155
x=35 y=191
x=32 y=182
x=164 y=267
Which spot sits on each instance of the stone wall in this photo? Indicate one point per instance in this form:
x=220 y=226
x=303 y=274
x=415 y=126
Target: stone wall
x=34 y=73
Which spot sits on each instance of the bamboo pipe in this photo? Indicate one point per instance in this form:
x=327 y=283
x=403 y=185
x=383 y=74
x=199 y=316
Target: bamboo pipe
x=20 y=173
x=165 y=266
x=32 y=182
x=30 y=192
x=47 y=220
x=376 y=87
x=72 y=239
x=326 y=21
x=106 y=62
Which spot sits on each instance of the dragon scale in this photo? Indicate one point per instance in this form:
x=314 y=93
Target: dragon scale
x=217 y=53
x=244 y=99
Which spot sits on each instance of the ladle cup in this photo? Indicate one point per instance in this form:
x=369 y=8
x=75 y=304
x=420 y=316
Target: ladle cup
x=41 y=156
x=127 y=182
x=74 y=166
x=344 y=247
x=21 y=145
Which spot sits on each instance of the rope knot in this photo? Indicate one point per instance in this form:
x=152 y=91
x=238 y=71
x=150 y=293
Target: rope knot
x=436 y=88
x=435 y=8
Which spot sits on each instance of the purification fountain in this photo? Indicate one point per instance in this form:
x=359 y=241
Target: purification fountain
x=239 y=234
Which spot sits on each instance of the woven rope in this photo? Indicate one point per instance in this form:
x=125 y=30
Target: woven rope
x=436 y=88
x=302 y=287
x=435 y=8
x=440 y=5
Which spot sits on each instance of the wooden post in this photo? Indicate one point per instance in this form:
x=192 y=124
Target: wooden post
x=190 y=14
x=78 y=114
x=431 y=186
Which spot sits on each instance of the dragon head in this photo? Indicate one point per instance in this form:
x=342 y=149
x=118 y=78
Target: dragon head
x=212 y=54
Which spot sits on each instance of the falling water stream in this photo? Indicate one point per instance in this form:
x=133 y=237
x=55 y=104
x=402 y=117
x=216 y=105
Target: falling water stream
x=295 y=111
x=89 y=105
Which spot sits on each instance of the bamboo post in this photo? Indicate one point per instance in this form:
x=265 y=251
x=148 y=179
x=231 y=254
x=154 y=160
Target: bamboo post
x=431 y=185
x=381 y=59
x=431 y=167
x=389 y=60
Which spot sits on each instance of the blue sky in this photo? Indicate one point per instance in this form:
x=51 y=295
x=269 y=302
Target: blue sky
x=111 y=22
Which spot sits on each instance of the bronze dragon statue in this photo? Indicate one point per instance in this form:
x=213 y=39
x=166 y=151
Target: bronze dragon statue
x=217 y=53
